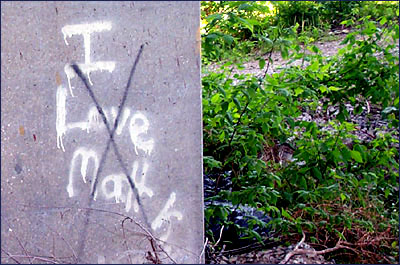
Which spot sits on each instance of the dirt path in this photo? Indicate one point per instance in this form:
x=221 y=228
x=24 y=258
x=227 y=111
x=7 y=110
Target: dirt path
x=328 y=48
x=252 y=67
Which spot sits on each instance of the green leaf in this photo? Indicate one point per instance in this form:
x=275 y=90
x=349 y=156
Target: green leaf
x=394 y=244
x=251 y=91
x=267 y=41
x=323 y=147
x=221 y=212
x=333 y=88
x=358 y=109
x=320 y=75
x=383 y=20
x=286 y=214
x=245 y=6
x=228 y=39
x=325 y=68
x=236 y=101
x=317 y=173
x=303 y=182
x=387 y=192
x=221 y=137
x=284 y=92
x=314 y=66
x=298 y=91
x=231 y=105
x=261 y=63
x=345 y=22
x=301 y=205
x=361 y=150
x=211 y=162
x=245 y=23
x=212 y=37
x=323 y=89
x=356 y=156
x=214 y=17
x=222 y=91
x=284 y=52
x=215 y=98
x=336 y=154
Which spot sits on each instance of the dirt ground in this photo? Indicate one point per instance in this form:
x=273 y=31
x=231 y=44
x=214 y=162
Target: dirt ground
x=328 y=48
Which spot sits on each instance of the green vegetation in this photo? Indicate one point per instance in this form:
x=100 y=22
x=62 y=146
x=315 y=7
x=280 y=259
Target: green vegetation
x=335 y=185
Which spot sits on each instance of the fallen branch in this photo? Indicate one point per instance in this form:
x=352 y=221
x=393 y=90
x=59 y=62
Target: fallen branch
x=291 y=253
x=202 y=251
x=138 y=224
x=23 y=248
x=32 y=258
x=297 y=251
x=147 y=232
x=11 y=256
x=125 y=242
x=220 y=235
x=153 y=238
x=66 y=242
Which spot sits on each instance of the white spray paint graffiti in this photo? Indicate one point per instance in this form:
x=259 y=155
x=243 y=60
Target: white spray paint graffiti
x=85 y=154
x=124 y=117
x=94 y=122
x=86 y=30
x=61 y=129
x=137 y=130
x=118 y=181
x=138 y=125
x=165 y=215
x=164 y=218
x=87 y=68
x=141 y=186
x=114 y=186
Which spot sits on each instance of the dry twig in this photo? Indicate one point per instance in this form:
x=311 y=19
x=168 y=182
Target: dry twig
x=153 y=238
x=220 y=235
x=202 y=251
x=297 y=251
x=125 y=242
x=290 y=254
x=11 y=256
x=66 y=242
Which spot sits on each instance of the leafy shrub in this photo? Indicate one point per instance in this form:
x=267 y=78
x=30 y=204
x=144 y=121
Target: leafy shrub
x=306 y=13
x=235 y=28
x=329 y=188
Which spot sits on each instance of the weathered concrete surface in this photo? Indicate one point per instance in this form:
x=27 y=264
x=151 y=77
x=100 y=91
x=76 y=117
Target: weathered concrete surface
x=53 y=139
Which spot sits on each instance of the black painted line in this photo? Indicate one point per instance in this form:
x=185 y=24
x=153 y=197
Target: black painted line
x=111 y=132
x=109 y=142
x=101 y=112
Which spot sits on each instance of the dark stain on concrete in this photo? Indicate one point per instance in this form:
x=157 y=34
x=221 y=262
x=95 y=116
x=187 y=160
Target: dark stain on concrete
x=18 y=168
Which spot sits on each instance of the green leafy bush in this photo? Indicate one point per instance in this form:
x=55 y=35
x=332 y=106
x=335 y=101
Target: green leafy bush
x=334 y=186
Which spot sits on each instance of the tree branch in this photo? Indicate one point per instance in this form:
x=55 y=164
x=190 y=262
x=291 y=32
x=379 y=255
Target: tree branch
x=297 y=251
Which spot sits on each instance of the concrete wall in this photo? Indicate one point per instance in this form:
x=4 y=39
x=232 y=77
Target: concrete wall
x=75 y=186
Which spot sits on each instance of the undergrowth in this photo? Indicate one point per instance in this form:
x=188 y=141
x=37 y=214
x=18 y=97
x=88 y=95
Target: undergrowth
x=333 y=186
